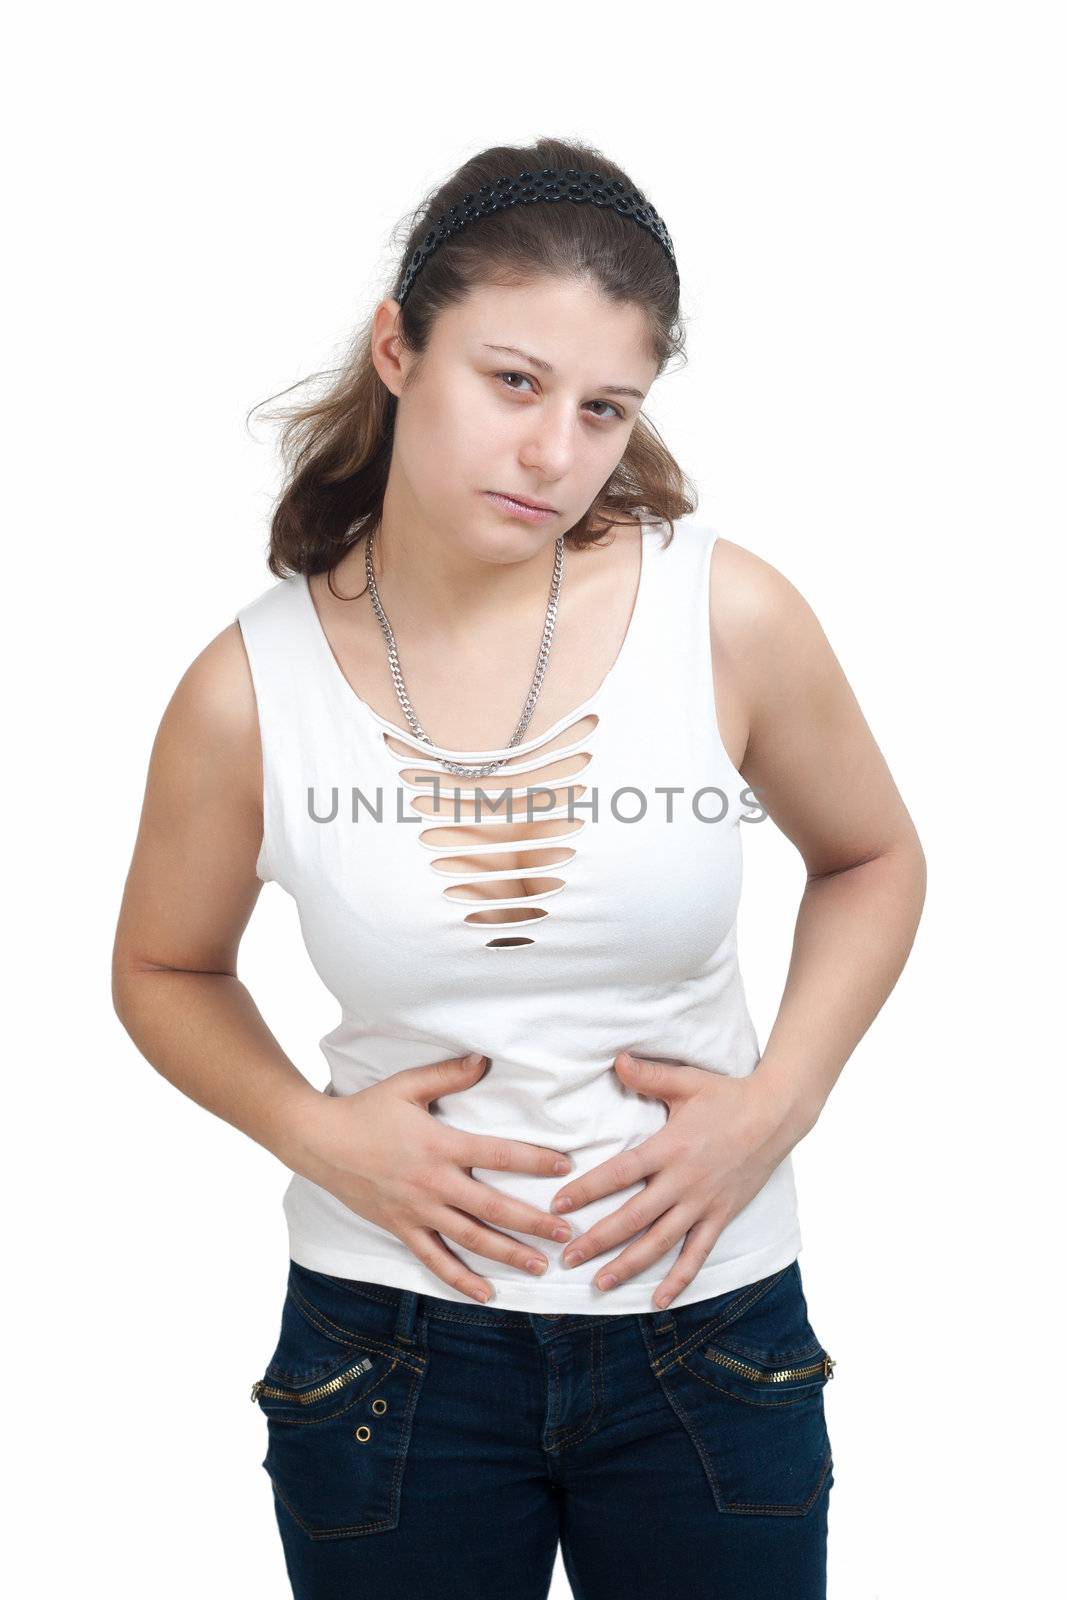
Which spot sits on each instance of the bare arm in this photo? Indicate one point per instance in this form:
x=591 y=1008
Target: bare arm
x=190 y=891
x=823 y=780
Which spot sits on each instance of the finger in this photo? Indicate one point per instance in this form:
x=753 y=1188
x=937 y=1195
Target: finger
x=438 y=1259
x=642 y=1212
x=619 y=1173
x=659 y=1080
x=479 y=1240
x=422 y=1085
x=504 y=1155
x=665 y=1233
x=500 y=1210
x=698 y=1247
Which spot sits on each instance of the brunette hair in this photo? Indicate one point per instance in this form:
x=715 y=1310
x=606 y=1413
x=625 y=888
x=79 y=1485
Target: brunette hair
x=337 y=448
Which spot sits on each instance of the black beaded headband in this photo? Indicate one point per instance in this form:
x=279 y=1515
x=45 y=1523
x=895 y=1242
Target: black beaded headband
x=527 y=189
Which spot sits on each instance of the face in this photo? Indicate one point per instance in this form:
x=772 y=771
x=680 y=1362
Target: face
x=479 y=420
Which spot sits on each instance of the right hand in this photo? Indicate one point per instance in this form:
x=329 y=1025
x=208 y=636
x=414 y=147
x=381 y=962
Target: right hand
x=385 y=1156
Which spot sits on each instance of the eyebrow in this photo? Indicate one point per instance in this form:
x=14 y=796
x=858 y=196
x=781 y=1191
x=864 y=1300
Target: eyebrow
x=545 y=366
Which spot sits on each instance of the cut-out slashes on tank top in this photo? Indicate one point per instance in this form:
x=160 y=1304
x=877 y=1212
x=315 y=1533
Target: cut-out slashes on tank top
x=577 y=902
x=499 y=848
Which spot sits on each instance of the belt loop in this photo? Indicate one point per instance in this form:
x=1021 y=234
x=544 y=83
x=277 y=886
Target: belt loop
x=406 y=1311
x=662 y=1322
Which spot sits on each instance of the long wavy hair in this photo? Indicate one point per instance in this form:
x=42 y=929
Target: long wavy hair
x=337 y=449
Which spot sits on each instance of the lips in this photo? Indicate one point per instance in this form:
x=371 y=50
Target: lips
x=535 y=505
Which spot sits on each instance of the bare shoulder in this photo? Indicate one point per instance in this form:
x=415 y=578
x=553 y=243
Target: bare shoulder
x=808 y=751
x=213 y=708
x=205 y=770
x=764 y=632
x=760 y=626
x=192 y=879
x=749 y=598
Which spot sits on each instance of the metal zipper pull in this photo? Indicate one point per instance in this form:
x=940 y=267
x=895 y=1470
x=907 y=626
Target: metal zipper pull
x=307 y=1397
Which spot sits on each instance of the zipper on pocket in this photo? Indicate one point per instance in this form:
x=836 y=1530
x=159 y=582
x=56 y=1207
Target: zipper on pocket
x=309 y=1396
x=783 y=1374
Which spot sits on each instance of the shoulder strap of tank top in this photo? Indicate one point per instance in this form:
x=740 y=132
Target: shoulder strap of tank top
x=677 y=680
x=292 y=669
x=675 y=602
x=286 y=675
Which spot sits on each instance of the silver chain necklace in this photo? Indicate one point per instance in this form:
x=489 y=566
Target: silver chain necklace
x=535 y=688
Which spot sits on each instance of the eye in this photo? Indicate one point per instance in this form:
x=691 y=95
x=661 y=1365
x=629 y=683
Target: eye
x=525 y=378
x=620 y=414
x=513 y=375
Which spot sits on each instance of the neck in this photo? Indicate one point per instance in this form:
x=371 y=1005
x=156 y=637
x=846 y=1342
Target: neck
x=430 y=580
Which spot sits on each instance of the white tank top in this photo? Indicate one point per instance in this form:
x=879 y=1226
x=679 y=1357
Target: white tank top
x=549 y=942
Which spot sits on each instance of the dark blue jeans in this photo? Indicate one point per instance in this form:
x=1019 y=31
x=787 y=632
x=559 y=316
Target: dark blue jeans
x=421 y=1447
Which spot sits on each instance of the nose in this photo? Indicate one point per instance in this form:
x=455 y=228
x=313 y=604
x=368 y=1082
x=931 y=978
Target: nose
x=549 y=450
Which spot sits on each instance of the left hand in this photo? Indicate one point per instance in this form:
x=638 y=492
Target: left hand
x=720 y=1144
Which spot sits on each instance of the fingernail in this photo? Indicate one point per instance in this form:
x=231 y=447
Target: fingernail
x=482 y=1295
x=562 y=1203
x=609 y=1281
x=562 y=1234
x=562 y=1167
x=534 y=1265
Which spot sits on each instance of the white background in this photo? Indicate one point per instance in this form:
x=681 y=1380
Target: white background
x=867 y=203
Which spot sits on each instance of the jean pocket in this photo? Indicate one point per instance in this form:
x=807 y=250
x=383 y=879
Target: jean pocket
x=749 y=1392
x=339 y=1396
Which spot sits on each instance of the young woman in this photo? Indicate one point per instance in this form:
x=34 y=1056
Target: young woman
x=495 y=727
